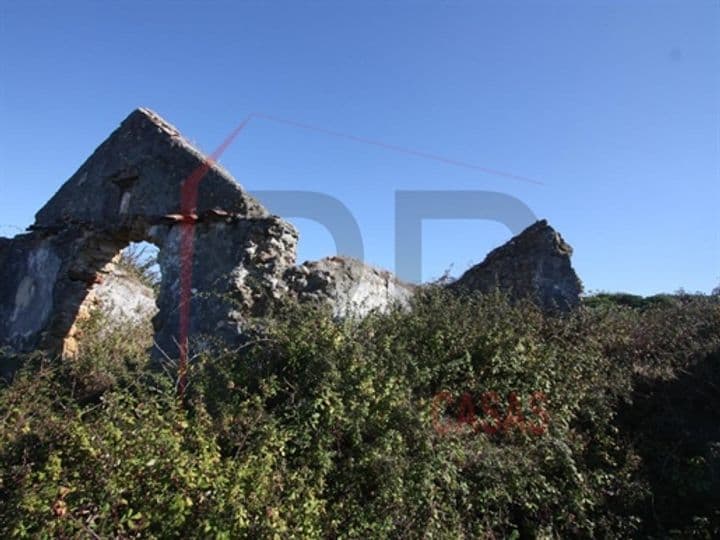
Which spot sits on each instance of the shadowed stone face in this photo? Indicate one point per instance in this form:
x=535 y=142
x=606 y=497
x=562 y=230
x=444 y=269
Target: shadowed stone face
x=535 y=264
x=33 y=296
x=139 y=172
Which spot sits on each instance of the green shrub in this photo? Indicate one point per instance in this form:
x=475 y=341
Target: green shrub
x=325 y=428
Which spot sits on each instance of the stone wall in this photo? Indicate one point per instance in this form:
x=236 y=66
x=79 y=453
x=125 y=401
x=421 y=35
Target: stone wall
x=348 y=285
x=129 y=190
x=534 y=264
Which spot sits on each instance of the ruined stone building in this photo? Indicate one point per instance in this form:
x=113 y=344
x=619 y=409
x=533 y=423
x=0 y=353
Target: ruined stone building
x=243 y=258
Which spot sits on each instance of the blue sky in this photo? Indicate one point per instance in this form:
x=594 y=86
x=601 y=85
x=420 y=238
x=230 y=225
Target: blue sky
x=614 y=106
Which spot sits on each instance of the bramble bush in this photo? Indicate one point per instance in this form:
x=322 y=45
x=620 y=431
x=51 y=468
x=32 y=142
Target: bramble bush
x=324 y=428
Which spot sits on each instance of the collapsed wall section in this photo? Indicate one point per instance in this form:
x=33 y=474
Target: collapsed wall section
x=533 y=265
x=349 y=286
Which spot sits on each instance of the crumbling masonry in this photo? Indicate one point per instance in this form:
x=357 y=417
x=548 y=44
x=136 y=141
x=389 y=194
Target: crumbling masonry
x=244 y=258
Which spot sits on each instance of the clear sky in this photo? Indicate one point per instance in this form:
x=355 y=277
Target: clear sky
x=614 y=106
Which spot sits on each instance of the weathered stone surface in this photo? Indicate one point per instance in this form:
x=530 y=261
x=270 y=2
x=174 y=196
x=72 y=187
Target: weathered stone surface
x=130 y=190
x=138 y=172
x=122 y=297
x=47 y=281
x=237 y=272
x=30 y=266
x=534 y=264
x=348 y=285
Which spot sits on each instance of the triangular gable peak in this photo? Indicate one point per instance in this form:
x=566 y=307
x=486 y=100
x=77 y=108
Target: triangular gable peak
x=138 y=172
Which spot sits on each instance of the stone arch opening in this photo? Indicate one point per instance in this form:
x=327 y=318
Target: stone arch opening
x=127 y=296
x=115 y=273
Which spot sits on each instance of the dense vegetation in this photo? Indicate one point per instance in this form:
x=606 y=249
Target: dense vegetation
x=463 y=418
